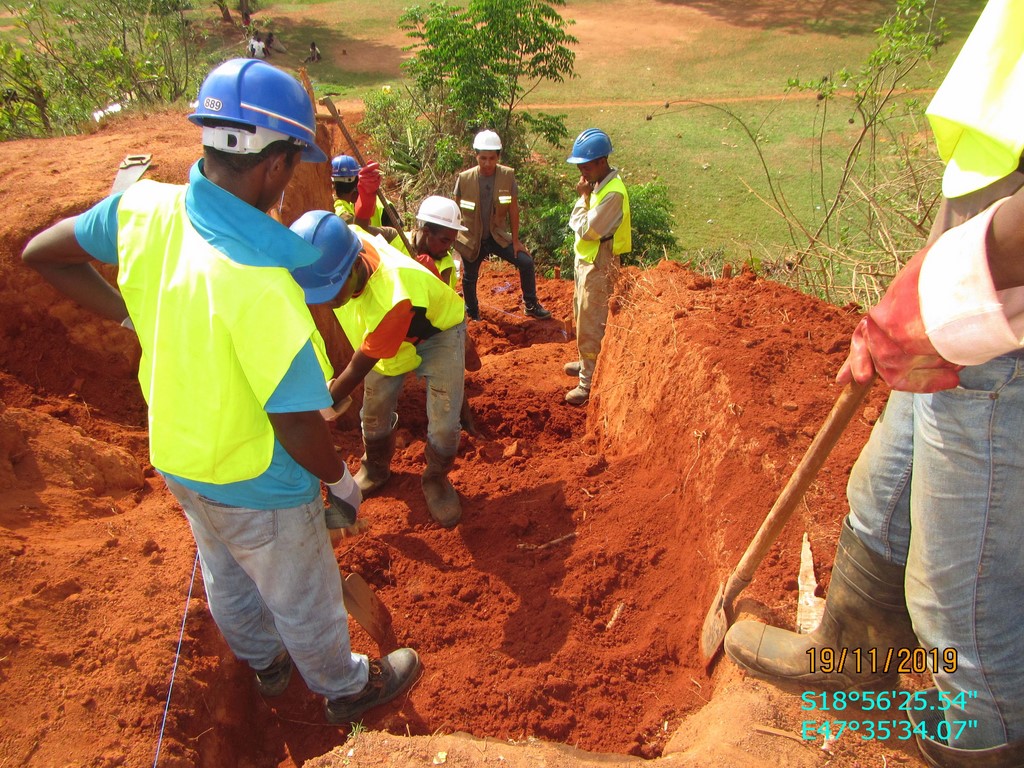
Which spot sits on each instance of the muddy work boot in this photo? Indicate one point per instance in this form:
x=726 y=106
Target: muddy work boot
x=442 y=498
x=865 y=612
x=573 y=369
x=578 y=396
x=375 y=467
x=389 y=676
x=273 y=681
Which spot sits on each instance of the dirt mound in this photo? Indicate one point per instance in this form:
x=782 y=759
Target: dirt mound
x=566 y=606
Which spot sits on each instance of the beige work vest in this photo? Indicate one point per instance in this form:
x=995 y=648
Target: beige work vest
x=468 y=244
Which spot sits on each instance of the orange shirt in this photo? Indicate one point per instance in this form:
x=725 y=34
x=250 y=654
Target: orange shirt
x=384 y=340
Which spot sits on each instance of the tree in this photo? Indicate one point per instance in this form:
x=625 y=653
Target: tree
x=71 y=59
x=474 y=67
x=225 y=12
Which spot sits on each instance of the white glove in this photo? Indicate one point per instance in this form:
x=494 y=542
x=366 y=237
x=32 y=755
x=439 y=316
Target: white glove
x=343 y=500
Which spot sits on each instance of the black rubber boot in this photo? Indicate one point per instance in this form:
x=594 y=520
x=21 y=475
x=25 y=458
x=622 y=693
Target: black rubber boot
x=937 y=754
x=442 y=498
x=375 y=468
x=865 y=611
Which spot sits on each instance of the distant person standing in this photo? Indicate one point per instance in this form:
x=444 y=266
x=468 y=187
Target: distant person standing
x=489 y=199
x=601 y=223
x=356 y=198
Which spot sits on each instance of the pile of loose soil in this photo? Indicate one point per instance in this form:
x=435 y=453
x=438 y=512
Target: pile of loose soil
x=564 y=609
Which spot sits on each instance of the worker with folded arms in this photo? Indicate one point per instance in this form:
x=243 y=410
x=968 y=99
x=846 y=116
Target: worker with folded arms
x=234 y=376
x=398 y=318
x=930 y=553
x=601 y=224
x=489 y=198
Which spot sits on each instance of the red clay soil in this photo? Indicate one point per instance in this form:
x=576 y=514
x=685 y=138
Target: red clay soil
x=567 y=605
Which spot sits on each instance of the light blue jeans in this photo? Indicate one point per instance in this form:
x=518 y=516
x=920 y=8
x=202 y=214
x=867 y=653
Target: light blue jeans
x=444 y=369
x=939 y=487
x=272 y=583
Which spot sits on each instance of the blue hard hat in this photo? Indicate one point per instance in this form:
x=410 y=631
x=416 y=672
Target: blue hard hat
x=339 y=245
x=590 y=145
x=255 y=94
x=344 y=168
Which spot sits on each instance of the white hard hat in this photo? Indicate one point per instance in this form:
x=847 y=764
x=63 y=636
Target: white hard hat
x=487 y=140
x=441 y=211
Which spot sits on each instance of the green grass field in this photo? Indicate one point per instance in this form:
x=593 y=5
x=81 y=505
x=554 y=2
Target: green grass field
x=633 y=59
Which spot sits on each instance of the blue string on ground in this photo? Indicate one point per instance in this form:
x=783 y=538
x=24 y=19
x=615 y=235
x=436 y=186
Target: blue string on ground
x=177 y=655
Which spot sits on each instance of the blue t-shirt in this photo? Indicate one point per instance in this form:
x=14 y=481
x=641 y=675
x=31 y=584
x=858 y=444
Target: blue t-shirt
x=246 y=236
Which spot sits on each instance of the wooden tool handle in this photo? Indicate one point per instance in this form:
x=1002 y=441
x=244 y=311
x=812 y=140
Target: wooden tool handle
x=388 y=207
x=838 y=418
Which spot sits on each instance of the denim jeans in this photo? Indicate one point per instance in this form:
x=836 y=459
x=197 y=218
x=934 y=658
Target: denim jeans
x=521 y=261
x=594 y=283
x=444 y=369
x=271 y=583
x=939 y=488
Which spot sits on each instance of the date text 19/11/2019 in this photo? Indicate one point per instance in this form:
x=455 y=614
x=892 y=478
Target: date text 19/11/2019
x=872 y=661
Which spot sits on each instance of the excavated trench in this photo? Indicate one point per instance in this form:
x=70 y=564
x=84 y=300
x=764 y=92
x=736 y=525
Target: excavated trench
x=567 y=605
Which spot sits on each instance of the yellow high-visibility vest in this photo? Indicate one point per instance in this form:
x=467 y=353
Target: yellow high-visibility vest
x=396 y=279
x=217 y=338
x=977 y=115
x=468 y=243
x=622 y=239
x=347 y=212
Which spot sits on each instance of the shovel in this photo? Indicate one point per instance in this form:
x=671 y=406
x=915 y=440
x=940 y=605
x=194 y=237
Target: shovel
x=368 y=611
x=389 y=209
x=129 y=171
x=720 y=615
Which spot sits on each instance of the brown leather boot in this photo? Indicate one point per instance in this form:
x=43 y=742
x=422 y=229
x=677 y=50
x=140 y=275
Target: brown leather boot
x=442 y=498
x=865 y=616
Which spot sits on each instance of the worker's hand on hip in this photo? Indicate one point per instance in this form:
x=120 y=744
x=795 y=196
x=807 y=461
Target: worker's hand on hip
x=367 y=184
x=891 y=341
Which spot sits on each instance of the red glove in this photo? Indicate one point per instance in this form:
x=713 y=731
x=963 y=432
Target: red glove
x=368 y=184
x=891 y=340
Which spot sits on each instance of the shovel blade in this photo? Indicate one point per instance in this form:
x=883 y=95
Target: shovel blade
x=716 y=624
x=368 y=611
